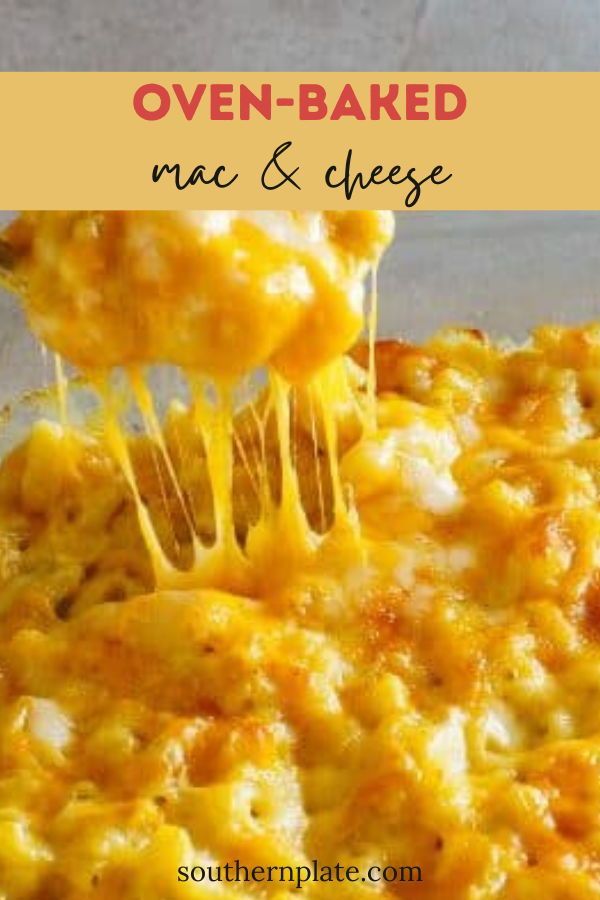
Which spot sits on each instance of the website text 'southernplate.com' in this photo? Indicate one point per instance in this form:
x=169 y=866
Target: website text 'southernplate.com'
x=299 y=876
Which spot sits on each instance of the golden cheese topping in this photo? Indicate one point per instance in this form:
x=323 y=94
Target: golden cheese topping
x=219 y=291
x=397 y=664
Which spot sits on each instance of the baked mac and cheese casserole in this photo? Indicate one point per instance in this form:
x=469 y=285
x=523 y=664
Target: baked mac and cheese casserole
x=346 y=616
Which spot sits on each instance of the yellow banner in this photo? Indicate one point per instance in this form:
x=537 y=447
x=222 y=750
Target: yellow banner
x=397 y=140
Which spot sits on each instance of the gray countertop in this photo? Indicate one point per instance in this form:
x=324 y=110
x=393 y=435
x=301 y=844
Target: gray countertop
x=300 y=35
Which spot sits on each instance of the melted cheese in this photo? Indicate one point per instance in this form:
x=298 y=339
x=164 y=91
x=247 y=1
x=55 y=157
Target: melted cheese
x=141 y=288
x=356 y=620
x=221 y=292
